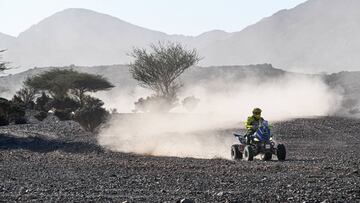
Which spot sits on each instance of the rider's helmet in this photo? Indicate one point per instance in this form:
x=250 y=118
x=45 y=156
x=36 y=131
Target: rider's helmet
x=257 y=113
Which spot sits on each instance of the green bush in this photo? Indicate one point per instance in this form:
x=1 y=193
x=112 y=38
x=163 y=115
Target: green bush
x=42 y=103
x=20 y=120
x=155 y=104
x=41 y=115
x=63 y=115
x=12 y=111
x=25 y=95
x=190 y=103
x=17 y=113
x=4 y=111
x=64 y=104
x=3 y=121
x=16 y=99
x=92 y=114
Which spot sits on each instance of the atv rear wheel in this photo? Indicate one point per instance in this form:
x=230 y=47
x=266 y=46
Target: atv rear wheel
x=267 y=156
x=235 y=152
x=281 y=152
x=248 y=153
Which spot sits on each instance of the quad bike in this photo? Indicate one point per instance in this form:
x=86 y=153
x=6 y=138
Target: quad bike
x=261 y=142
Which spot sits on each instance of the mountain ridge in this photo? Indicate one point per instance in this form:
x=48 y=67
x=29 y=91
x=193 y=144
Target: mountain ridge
x=315 y=36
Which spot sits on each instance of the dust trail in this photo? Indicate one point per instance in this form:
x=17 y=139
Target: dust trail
x=207 y=131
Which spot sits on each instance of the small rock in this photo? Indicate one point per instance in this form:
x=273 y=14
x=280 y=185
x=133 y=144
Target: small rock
x=186 y=201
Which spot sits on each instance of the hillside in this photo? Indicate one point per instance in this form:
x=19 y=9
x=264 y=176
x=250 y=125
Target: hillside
x=58 y=162
x=316 y=36
x=79 y=36
x=214 y=78
x=6 y=41
x=120 y=76
x=85 y=37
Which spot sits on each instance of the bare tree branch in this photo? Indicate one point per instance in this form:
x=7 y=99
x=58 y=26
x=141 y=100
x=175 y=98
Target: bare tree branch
x=160 y=69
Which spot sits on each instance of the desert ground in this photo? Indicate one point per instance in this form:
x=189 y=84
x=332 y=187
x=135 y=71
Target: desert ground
x=56 y=161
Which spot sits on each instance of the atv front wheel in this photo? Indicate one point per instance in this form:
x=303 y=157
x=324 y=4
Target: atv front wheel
x=267 y=156
x=235 y=152
x=281 y=152
x=248 y=153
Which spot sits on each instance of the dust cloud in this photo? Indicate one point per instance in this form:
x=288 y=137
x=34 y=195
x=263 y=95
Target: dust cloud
x=206 y=132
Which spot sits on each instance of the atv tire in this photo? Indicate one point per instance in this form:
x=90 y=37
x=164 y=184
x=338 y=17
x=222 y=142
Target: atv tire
x=281 y=152
x=248 y=153
x=267 y=156
x=235 y=152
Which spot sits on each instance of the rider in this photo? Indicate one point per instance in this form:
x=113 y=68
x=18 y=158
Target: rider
x=253 y=123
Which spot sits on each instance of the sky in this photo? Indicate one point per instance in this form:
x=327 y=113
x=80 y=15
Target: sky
x=187 y=17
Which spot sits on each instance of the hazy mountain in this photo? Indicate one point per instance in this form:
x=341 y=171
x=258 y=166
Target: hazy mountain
x=120 y=76
x=6 y=41
x=215 y=78
x=85 y=37
x=79 y=36
x=348 y=84
x=318 y=35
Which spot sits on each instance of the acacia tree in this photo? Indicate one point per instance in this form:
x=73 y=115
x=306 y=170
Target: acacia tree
x=55 y=82
x=65 y=85
x=160 y=68
x=85 y=82
x=61 y=84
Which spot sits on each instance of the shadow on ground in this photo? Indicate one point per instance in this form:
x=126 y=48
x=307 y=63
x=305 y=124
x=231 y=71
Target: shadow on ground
x=43 y=145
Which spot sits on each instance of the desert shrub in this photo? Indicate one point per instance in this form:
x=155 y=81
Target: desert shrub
x=91 y=115
x=4 y=111
x=155 y=104
x=16 y=113
x=30 y=105
x=17 y=99
x=354 y=111
x=64 y=108
x=20 y=120
x=113 y=111
x=4 y=107
x=190 y=103
x=65 y=114
x=26 y=95
x=42 y=103
x=3 y=121
x=41 y=115
x=64 y=104
x=159 y=70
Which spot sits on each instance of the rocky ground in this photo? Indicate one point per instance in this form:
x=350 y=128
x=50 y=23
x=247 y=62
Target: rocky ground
x=57 y=161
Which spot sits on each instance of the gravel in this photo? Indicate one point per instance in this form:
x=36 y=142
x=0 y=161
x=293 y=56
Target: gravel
x=56 y=161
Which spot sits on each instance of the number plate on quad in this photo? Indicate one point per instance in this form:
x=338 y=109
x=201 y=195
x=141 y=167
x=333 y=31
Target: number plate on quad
x=267 y=146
